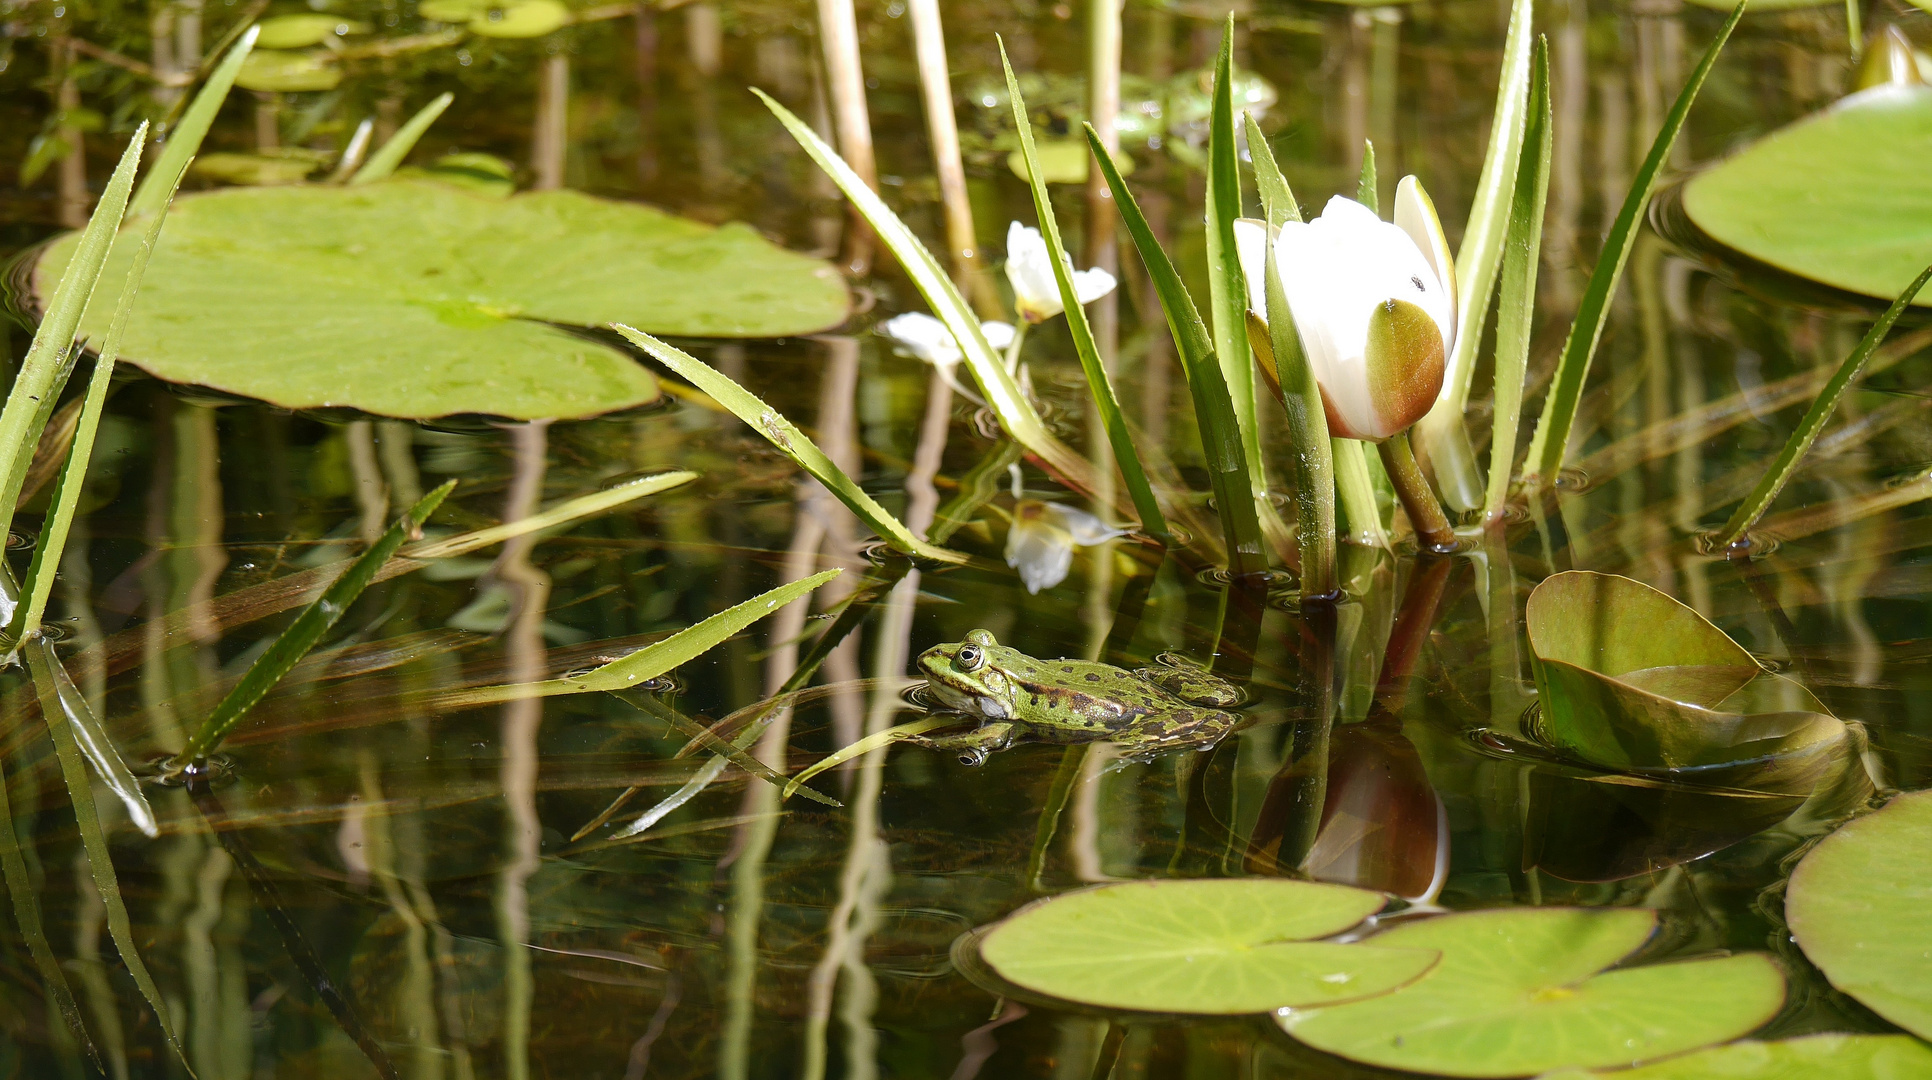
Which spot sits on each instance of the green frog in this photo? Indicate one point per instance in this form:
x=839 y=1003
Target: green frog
x=1017 y=699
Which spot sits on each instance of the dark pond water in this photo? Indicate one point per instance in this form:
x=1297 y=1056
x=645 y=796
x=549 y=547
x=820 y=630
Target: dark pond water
x=424 y=852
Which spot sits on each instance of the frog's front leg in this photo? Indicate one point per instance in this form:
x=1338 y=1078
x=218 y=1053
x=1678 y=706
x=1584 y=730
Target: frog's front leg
x=972 y=746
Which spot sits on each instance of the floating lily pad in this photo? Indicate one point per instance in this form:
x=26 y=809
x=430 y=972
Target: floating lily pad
x=1838 y=197
x=1630 y=679
x=1226 y=946
x=1063 y=161
x=299 y=31
x=415 y=299
x=1521 y=991
x=1857 y=907
x=279 y=70
x=516 y=19
x=1815 y=1057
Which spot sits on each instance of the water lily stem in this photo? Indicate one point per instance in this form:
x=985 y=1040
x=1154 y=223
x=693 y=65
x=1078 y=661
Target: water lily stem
x=1425 y=513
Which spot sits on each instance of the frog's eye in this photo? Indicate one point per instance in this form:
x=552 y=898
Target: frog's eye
x=971 y=657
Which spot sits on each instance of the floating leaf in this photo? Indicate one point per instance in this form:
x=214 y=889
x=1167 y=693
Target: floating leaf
x=273 y=70
x=1062 y=161
x=301 y=30
x=415 y=299
x=520 y=19
x=1857 y=904
x=1630 y=679
x=1814 y=1057
x=1837 y=197
x=1240 y=945
x=1523 y=990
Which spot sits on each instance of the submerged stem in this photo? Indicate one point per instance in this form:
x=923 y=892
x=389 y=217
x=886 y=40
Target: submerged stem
x=1425 y=513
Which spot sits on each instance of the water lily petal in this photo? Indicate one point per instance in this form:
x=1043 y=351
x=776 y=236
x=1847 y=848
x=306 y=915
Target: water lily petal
x=1337 y=271
x=1415 y=214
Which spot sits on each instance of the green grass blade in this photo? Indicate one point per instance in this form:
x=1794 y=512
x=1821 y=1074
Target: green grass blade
x=875 y=741
x=1227 y=289
x=1214 y=410
x=1516 y=307
x=1477 y=264
x=185 y=140
x=78 y=723
x=1779 y=473
x=792 y=442
x=1152 y=522
x=1552 y=439
x=654 y=660
x=1003 y=394
x=1277 y=199
x=564 y=513
x=385 y=160
x=48 y=361
x=67 y=715
x=73 y=475
x=1365 y=189
x=303 y=634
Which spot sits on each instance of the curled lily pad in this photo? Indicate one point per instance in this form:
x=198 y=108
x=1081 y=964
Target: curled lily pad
x=1857 y=907
x=303 y=29
x=481 y=174
x=1629 y=679
x=412 y=298
x=1814 y=1057
x=1227 y=946
x=1838 y=197
x=289 y=165
x=289 y=72
x=1520 y=991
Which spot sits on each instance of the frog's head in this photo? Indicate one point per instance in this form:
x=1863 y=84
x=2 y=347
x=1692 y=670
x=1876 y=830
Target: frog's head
x=970 y=677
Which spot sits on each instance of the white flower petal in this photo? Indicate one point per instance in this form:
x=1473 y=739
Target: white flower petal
x=923 y=336
x=1415 y=214
x=998 y=334
x=1035 y=293
x=1090 y=285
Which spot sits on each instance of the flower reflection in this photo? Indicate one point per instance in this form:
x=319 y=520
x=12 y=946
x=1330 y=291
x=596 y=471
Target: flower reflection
x=1041 y=540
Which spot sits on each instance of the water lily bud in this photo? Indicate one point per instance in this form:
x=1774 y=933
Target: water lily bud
x=1043 y=535
x=1035 y=292
x=1374 y=304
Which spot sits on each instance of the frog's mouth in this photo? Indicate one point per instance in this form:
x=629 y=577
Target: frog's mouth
x=951 y=699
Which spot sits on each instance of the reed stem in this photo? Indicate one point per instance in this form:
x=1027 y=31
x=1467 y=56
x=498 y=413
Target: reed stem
x=935 y=84
x=838 y=35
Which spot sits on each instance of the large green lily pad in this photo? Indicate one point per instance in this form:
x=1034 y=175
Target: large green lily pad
x=1630 y=679
x=1518 y=992
x=1838 y=197
x=1815 y=1057
x=1857 y=907
x=1229 y=946
x=413 y=298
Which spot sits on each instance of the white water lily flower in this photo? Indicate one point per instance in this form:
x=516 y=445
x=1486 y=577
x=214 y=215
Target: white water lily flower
x=1041 y=540
x=1035 y=292
x=1374 y=303
x=922 y=336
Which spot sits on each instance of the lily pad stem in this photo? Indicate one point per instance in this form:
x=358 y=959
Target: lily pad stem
x=1432 y=529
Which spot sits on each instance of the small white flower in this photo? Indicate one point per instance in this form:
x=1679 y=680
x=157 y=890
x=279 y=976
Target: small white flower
x=1040 y=542
x=1035 y=293
x=921 y=336
x=1374 y=303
